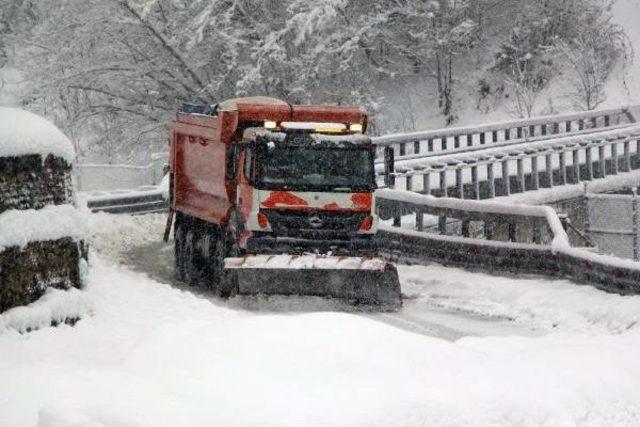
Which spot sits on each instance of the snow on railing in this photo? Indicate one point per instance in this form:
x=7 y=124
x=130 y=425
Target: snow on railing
x=440 y=140
x=517 y=238
x=567 y=160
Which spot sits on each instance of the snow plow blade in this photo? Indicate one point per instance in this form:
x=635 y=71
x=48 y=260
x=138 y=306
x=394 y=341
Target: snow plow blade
x=357 y=280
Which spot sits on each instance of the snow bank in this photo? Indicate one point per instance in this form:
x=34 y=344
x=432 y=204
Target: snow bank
x=20 y=227
x=153 y=355
x=534 y=302
x=22 y=132
x=54 y=307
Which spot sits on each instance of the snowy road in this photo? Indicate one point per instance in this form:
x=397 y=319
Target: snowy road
x=149 y=352
x=442 y=302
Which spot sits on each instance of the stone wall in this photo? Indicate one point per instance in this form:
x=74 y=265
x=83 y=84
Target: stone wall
x=26 y=273
x=28 y=182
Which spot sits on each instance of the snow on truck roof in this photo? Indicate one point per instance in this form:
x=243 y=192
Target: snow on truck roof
x=23 y=133
x=232 y=104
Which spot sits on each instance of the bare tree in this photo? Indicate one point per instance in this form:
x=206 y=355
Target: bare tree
x=590 y=58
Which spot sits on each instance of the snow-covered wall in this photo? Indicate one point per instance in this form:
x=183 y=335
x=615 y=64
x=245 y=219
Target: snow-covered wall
x=41 y=232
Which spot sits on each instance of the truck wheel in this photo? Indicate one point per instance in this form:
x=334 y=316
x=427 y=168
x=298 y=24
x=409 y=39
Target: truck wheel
x=213 y=260
x=228 y=278
x=179 y=232
x=190 y=263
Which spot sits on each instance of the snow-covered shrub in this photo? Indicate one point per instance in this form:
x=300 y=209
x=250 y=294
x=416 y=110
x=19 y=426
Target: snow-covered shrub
x=41 y=232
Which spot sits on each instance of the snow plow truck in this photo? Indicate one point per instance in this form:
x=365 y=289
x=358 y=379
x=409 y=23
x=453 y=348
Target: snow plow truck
x=277 y=199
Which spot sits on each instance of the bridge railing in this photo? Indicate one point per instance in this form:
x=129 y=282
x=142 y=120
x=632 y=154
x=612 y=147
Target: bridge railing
x=536 y=242
x=504 y=170
x=423 y=142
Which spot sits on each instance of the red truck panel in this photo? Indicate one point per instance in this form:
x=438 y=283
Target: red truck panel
x=199 y=166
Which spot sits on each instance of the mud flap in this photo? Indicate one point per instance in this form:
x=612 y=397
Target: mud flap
x=368 y=281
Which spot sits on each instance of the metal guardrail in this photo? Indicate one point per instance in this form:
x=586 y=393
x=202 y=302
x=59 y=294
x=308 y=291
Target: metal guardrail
x=567 y=160
x=132 y=202
x=533 y=240
x=454 y=138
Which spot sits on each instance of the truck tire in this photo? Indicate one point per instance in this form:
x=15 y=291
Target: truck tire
x=179 y=233
x=228 y=278
x=190 y=264
x=213 y=258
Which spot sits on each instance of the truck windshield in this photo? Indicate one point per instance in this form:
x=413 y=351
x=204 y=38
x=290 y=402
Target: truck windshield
x=315 y=168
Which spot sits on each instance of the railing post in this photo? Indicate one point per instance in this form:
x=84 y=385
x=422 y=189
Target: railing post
x=549 y=169
x=459 y=183
x=601 y=161
x=513 y=234
x=535 y=176
x=614 y=158
x=536 y=232
x=443 y=183
x=491 y=179
x=465 y=228
x=505 y=177
x=442 y=224
x=488 y=230
x=389 y=167
x=419 y=221
x=520 y=167
x=474 y=182
x=627 y=155
x=636 y=220
x=588 y=152
x=426 y=182
x=563 y=166
x=575 y=157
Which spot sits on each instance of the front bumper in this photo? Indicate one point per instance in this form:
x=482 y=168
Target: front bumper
x=356 y=246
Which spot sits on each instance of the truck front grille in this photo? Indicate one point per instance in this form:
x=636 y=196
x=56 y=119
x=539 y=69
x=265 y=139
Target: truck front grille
x=315 y=224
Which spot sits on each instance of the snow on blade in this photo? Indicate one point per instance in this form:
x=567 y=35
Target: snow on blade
x=22 y=133
x=309 y=261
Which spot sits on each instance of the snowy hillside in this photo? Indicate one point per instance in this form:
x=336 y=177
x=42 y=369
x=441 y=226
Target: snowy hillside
x=150 y=353
x=624 y=84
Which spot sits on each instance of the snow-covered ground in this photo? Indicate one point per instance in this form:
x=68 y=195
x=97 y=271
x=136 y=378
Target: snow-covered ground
x=466 y=349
